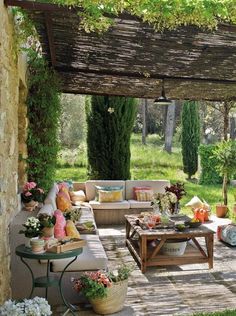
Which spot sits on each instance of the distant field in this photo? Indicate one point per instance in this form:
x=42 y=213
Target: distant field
x=147 y=162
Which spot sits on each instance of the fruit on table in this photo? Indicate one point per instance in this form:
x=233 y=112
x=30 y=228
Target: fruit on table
x=201 y=214
x=195 y=220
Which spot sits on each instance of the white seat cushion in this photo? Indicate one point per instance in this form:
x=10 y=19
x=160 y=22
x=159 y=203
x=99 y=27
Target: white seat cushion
x=139 y=204
x=91 y=189
x=158 y=186
x=109 y=205
x=93 y=257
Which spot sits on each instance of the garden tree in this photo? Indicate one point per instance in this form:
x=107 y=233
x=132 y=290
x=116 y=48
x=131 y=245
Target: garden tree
x=190 y=137
x=169 y=126
x=224 y=108
x=225 y=157
x=44 y=109
x=110 y=122
x=144 y=117
x=72 y=121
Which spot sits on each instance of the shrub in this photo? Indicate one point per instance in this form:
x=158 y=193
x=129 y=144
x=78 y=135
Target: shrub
x=110 y=122
x=209 y=174
x=190 y=137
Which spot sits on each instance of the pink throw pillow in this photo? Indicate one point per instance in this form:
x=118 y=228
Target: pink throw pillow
x=60 y=226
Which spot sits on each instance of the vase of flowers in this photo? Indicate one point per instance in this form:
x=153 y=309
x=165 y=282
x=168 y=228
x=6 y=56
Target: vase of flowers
x=163 y=202
x=47 y=223
x=27 y=307
x=179 y=191
x=105 y=291
x=32 y=229
x=31 y=196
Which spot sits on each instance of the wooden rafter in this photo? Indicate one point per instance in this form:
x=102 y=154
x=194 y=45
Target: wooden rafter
x=48 y=22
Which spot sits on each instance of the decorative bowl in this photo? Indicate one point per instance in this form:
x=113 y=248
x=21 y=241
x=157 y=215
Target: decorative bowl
x=193 y=224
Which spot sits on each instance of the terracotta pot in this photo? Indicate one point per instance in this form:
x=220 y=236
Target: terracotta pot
x=234 y=209
x=30 y=206
x=221 y=210
x=48 y=231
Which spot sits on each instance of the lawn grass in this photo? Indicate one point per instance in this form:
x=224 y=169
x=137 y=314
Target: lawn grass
x=151 y=162
x=225 y=313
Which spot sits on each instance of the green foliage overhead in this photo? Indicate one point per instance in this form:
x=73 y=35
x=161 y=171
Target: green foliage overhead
x=190 y=137
x=110 y=122
x=44 y=109
x=162 y=14
x=209 y=174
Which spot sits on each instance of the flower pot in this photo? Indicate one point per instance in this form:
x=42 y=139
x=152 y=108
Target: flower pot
x=30 y=206
x=48 y=232
x=221 y=210
x=114 y=301
x=37 y=245
x=174 y=247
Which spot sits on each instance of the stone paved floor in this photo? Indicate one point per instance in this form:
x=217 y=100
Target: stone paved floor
x=176 y=290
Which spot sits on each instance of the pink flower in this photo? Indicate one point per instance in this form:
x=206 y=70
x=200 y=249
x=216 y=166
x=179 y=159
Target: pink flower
x=28 y=194
x=29 y=185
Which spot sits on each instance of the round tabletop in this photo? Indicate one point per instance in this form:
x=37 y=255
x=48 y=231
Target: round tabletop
x=25 y=252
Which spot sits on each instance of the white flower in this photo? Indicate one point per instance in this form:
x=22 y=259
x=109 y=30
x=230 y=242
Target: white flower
x=111 y=110
x=37 y=306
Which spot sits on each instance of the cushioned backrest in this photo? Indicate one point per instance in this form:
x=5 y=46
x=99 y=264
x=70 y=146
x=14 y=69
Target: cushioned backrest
x=158 y=186
x=91 y=189
x=46 y=209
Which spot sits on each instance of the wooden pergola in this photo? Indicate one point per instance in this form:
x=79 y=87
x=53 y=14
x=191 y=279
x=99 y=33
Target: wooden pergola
x=131 y=59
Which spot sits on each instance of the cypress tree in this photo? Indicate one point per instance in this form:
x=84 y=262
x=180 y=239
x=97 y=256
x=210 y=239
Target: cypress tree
x=190 y=137
x=110 y=122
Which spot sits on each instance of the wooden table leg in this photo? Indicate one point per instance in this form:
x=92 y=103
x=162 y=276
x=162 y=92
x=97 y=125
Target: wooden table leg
x=143 y=253
x=210 y=245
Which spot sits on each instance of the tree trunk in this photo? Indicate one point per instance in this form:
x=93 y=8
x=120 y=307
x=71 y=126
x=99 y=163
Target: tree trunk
x=225 y=197
x=232 y=128
x=226 y=120
x=169 y=128
x=144 y=117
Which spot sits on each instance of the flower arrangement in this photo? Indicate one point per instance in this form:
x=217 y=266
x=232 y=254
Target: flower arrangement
x=46 y=220
x=32 y=227
x=31 y=192
x=177 y=189
x=164 y=201
x=95 y=284
x=36 y=306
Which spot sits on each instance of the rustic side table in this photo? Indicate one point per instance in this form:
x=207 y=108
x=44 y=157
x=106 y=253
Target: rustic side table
x=48 y=281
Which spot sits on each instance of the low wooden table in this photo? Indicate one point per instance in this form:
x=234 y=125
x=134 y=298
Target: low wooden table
x=138 y=241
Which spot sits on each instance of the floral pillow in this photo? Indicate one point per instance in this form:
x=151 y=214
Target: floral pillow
x=59 y=228
x=110 y=196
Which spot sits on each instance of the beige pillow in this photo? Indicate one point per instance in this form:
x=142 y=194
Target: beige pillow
x=195 y=202
x=77 y=196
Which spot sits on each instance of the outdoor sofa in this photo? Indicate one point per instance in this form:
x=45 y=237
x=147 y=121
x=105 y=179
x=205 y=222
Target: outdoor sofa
x=93 y=256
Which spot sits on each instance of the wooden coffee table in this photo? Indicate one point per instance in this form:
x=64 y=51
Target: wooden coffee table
x=138 y=241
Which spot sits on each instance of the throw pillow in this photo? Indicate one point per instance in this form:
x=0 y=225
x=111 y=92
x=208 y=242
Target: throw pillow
x=60 y=225
x=227 y=233
x=110 y=196
x=108 y=188
x=63 y=203
x=143 y=193
x=71 y=229
x=77 y=196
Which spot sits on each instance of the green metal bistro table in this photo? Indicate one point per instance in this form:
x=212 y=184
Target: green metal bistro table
x=48 y=281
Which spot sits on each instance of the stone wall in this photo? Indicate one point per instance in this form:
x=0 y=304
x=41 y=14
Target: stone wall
x=12 y=80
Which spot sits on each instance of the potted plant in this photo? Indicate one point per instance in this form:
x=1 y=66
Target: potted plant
x=105 y=291
x=32 y=229
x=31 y=195
x=225 y=155
x=27 y=307
x=47 y=223
x=163 y=203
